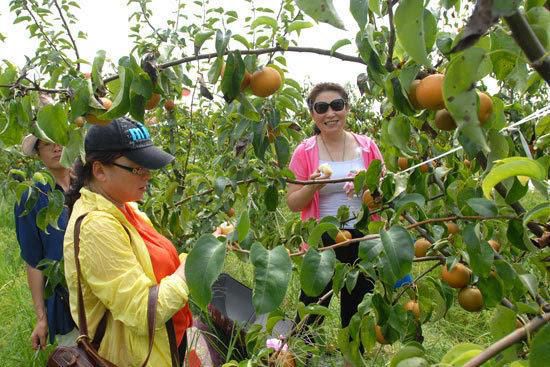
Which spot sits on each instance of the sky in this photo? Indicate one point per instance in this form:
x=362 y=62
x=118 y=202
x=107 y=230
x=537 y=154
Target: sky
x=106 y=24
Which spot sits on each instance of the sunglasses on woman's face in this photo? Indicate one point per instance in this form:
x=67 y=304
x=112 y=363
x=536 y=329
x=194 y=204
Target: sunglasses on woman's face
x=139 y=171
x=336 y=105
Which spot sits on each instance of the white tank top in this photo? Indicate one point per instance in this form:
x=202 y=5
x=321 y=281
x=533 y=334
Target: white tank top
x=333 y=196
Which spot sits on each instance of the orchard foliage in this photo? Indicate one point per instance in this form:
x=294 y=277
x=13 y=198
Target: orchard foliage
x=232 y=150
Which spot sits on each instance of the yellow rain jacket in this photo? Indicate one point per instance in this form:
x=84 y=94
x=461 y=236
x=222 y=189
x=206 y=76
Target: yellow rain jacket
x=117 y=274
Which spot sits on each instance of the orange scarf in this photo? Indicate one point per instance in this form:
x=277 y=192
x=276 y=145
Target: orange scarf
x=165 y=261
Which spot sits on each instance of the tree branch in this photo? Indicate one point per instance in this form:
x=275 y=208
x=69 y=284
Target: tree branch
x=391 y=42
x=509 y=340
x=460 y=217
x=314 y=50
x=530 y=44
x=25 y=88
x=66 y=26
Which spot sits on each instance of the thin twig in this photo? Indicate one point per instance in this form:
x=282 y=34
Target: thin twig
x=146 y=17
x=46 y=38
x=317 y=182
x=509 y=340
x=460 y=217
x=66 y=26
x=391 y=41
x=191 y=128
x=211 y=190
x=404 y=288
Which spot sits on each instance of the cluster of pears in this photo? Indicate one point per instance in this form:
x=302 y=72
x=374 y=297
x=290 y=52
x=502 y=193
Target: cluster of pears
x=428 y=94
x=469 y=297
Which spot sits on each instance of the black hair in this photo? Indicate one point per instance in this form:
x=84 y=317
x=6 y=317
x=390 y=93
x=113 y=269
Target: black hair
x=324 y=87
x=82 y=174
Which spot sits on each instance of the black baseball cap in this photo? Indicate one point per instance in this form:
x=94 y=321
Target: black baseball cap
x=129 y=137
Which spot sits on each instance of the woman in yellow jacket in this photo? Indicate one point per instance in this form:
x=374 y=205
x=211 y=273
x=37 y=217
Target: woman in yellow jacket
x=121 y=255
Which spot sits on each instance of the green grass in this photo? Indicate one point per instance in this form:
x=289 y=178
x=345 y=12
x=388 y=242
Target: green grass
x=16 y=310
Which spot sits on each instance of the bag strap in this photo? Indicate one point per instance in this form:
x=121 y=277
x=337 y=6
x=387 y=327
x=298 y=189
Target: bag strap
x=100 y=332
x=174 y=352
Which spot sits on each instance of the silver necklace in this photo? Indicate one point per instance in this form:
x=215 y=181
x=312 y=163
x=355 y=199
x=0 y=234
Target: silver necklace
x=328 y=151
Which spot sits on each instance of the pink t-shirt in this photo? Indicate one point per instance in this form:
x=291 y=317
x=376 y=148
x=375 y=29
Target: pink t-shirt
x=305 y=161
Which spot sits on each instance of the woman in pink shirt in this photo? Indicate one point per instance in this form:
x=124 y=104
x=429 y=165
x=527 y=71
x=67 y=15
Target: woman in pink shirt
x=346 y=153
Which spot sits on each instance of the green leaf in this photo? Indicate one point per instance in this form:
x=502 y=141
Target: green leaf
x=374 y=5
x=247 y=109
x=510 y=167
x=540 y=212
x=220 y=184
x=372 y=179
x=298 y=25
x=222 y=41
x=202 y=267
x=338 y=44
x=80 y=99
x=505 y=53
x=271 y=198
x=400 y=130
x=215 y=70
x=322 y=11
x=317 y=271
x=409 y=27
x=242 y=40
x=502 y=324
x=282 y=149
x=121 y=103
x=540 y=353
x=481 y=254
x=200 y=38
x=265 y=20
x=7 y=77
x=52 y=121
x=97 y=68
x=233 y=76
x=492 y=290
x=461 y=98
x=74 y=148
x=484 y=207
x=414 y=362
x=398 y=254
x=12 y=130
x=243 y=225
x=530 y=282
x=408 y=201
x=272 y=270
x=56 y=200
x=517 y=191
x=459 y=352
x=516 y=234
x=360 y=11
x=406 y=353
x=367 y=50
x=315 y=235
x=430 y=29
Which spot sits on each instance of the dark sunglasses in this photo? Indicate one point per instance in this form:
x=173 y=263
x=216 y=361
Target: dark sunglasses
x=140 y=171
x=336 y=105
